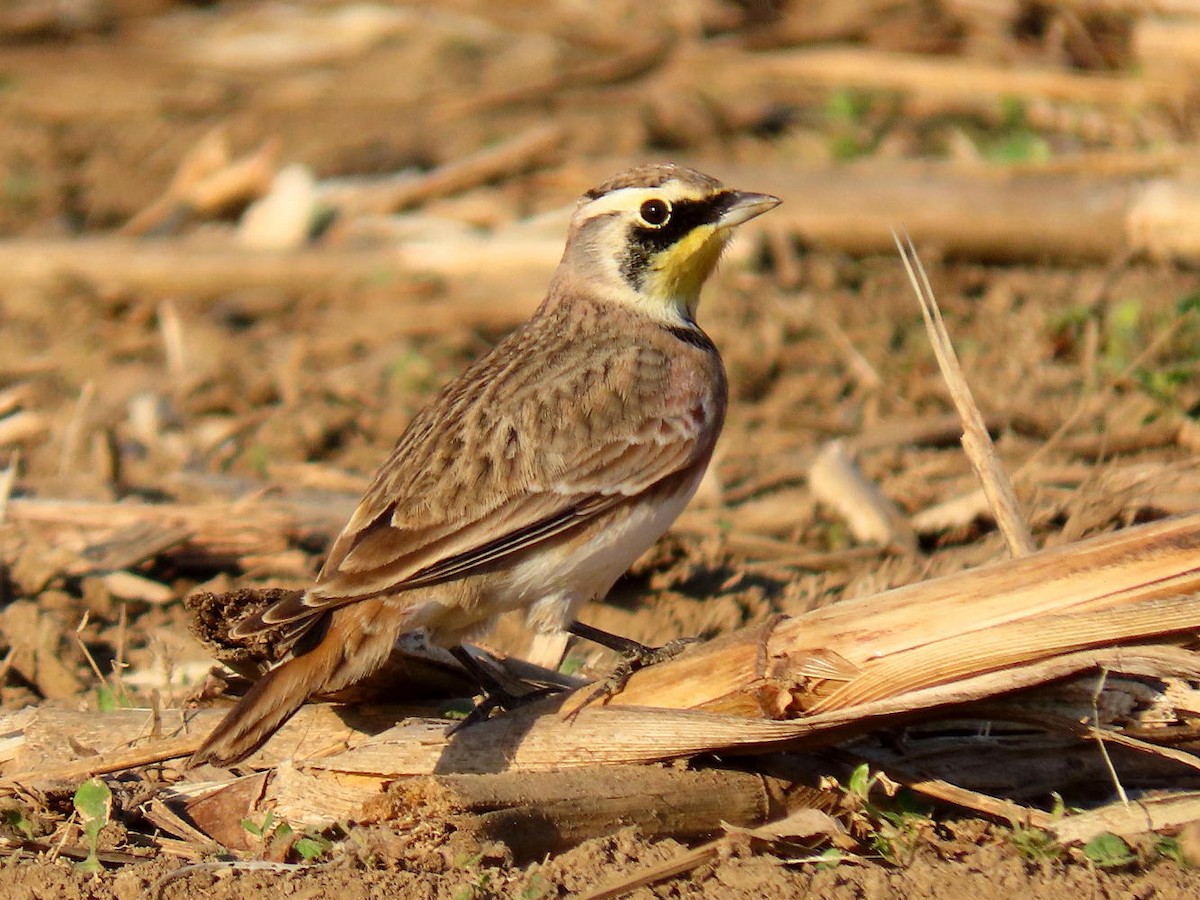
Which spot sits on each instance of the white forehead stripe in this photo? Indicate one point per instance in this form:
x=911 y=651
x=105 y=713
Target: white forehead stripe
x=630 y=198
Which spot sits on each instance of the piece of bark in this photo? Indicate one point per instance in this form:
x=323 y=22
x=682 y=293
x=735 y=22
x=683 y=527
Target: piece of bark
x=220 y=813
x=534 y=814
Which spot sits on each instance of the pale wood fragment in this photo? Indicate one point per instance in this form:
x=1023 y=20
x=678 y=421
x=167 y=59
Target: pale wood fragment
x=872 y=517
x=1138 y=817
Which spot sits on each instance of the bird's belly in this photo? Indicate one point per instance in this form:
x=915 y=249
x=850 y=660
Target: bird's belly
x=558 y=579
x=554 y=579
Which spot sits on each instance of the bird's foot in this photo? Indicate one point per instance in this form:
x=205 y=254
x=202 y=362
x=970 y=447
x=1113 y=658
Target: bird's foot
x=491 y=702
x=636 y=656
x=498 y=693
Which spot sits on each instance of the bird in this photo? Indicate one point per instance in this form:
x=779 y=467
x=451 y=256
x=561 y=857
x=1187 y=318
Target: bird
x=535 y=478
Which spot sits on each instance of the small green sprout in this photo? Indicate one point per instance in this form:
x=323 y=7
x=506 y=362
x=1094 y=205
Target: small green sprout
x=1107 y=851
x=93 y=803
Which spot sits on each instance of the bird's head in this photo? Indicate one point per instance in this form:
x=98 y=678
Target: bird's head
x=650 y=237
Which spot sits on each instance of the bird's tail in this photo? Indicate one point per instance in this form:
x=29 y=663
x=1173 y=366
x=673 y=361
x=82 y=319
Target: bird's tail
x=345 y=653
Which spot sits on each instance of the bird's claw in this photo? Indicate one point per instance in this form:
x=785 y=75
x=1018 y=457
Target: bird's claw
x=632 y=662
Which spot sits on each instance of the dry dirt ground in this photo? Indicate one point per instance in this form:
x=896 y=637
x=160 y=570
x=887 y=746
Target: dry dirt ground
x=173 y=390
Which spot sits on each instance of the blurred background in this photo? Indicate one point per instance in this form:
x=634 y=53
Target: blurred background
x=243 y=242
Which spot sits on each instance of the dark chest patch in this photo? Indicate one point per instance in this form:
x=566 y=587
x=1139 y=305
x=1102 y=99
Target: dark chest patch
x=691 y=336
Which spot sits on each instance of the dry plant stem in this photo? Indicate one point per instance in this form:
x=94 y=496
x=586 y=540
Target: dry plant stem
x=864 y=373
x=15 y=397
x=945 y=792
x=1108 y=764
x=950 y=641
x=209 y=154
x=170 y=327
x=681 y=863
x=217 y=530
x=976 y=441
x=533 y=149
x=182 y=270
x=1095 y=592
x=8 y=478
x=1031 y=216
x=208 y=181
x=950 y=78
x=608 y=70
x=908 y=652
x=799 y=825
x=74 y=430
x=1046 y=227
x=1143 y=815
x=133 y=544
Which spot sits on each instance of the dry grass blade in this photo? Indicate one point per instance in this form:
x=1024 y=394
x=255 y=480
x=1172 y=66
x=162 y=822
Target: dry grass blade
x=684 y=862
x=74 y=430
x=7 y=479
x=951 y=794
x=533 y=149
x=976 y=441
x=801 y=824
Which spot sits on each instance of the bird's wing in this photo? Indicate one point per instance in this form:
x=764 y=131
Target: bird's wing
x=506 y=459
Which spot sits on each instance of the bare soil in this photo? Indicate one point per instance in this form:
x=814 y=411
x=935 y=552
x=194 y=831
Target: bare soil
x=306 y=388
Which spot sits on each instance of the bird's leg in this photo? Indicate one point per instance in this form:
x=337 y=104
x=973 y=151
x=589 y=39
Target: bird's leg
x=497 y=694
x=635 y=655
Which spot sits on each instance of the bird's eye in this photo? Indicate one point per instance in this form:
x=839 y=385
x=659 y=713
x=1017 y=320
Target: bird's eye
x=655 y=212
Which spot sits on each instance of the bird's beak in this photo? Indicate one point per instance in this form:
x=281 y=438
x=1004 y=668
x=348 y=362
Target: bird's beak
x=743 y=206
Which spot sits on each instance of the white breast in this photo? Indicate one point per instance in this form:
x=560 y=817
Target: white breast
x=555 y=584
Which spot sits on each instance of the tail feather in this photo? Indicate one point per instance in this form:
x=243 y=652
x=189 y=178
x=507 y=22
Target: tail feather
x=354 y=642
x=272 y=700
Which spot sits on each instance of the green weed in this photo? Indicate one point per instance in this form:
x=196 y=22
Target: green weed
x=93 y=803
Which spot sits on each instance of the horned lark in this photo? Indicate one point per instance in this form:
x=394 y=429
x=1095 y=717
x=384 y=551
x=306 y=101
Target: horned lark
x=536 y=477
